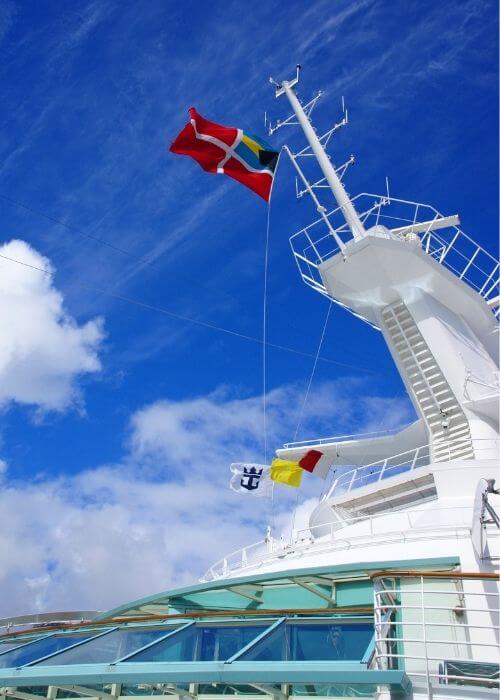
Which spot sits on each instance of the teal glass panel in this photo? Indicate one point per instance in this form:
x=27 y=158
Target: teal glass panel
x=223 y=689
x=73 y=694
x=333 y=691
x=146 y=689
x=42 y=647
x=7 y=646
x=35 y=690
x=107 y=648
x=201 y=643
x=313 y=642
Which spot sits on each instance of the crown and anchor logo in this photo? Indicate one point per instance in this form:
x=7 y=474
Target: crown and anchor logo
x=251 y=478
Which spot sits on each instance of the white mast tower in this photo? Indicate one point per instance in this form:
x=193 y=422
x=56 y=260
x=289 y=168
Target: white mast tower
x=434 y=296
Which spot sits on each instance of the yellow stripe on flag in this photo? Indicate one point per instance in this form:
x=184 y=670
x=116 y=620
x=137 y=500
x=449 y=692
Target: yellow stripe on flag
x=252 y=145
x=285 y=472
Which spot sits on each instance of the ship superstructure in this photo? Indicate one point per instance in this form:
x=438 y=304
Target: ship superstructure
x=392 y=589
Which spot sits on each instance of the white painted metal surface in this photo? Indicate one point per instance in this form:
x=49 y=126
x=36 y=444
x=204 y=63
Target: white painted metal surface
x=414 y=274
x=444 y=629
x=345 y=204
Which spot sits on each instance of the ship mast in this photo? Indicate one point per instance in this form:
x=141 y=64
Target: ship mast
x=346 y=206
x=418 y=278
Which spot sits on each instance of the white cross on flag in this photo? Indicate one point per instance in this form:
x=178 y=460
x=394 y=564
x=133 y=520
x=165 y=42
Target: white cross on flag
x=253 y=479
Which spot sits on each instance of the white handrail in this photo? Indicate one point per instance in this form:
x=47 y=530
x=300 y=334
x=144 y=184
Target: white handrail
x=452 y=248
x=350 y=477
x=404 y=462
x=341 y=438
x=409 y=528
x=437 y=635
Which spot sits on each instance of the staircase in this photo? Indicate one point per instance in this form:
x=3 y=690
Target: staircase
x=448 y=426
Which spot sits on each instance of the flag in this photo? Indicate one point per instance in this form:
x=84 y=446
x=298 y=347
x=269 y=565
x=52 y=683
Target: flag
x=252 y=479
x=316 y=462
x=289 y=472
x=286 y=472
x=310 y=460
x=223 y=149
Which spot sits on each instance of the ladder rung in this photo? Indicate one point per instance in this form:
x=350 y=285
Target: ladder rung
x=444 y=392
x=424 y=390
x=452 y=435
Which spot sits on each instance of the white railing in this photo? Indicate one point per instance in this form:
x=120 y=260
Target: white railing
x=441 y=628
x=451 y=246
x=409 y=523
x=368 y=474
x=404 y=523
x=382 y=469
x=341 y=438
x=48 y=619
x=364 y=531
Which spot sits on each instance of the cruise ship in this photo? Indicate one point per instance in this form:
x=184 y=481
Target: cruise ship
x=392 y=589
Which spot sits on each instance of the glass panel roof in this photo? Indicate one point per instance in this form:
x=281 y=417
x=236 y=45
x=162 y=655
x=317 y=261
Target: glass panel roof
x=334 y=691
x=42 y=647
x=313 y=642
x=271 y=592
x=5 y=646
x=202 y=643
x=108 y=647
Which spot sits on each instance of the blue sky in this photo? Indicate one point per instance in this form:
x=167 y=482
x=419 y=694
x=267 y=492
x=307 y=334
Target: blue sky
x=118 y=417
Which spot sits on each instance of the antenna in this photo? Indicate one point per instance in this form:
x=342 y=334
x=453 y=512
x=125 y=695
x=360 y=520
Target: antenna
x=280 y=87
x=316 y=148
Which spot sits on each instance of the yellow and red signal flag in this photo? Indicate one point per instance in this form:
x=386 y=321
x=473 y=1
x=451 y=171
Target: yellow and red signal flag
x=230 y=151
x=288 y=472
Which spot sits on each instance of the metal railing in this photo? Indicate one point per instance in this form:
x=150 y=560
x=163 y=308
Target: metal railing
x=452 y=248
x=382 y=469
x=342 y=438
x=409 y=523
x=364 y=531
x=408 y=461
x=441 y=628
x=41 y=620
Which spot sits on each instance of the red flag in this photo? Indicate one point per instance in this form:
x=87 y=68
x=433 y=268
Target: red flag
x=310 y=460
x=223 y=149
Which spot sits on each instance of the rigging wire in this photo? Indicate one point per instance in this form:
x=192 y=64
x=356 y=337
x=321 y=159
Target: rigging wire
x=72 y=227
x=306 y=396
x=316 y=358
x=187 y=319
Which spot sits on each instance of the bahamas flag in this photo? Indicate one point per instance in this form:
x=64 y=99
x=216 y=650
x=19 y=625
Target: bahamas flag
x=230 y=151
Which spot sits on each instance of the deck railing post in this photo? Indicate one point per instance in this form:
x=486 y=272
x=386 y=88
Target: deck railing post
x=383 y=470
x=415 y=456
x=352 y=479
x=424 y=638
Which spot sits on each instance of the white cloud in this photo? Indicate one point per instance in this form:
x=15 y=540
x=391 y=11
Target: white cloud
x=211 y=426
x=43 y=351
x=162 y=516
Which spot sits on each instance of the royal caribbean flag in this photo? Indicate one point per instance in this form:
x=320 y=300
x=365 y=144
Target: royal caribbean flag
x=251 y=479
x=227 y=150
